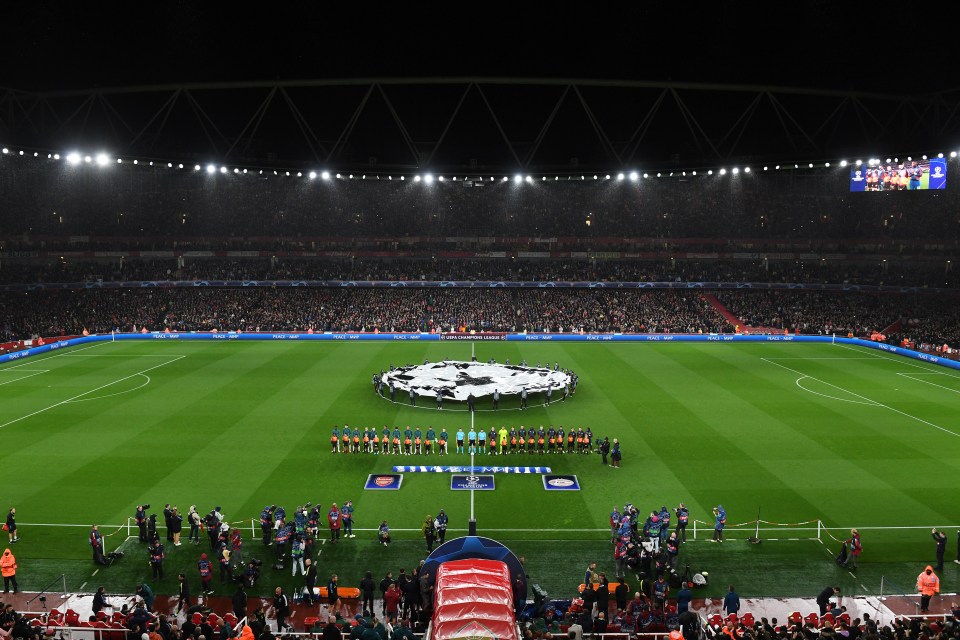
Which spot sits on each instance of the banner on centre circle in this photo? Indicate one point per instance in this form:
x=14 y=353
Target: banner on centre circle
x=384 y=481
x=471 y=482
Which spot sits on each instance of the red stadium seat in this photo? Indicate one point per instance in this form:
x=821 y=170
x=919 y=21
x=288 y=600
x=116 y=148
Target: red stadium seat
x=732 y=619
x=795 y=618
x=72 y=619
x=827 y=617
x=748 y=620
x=845 y=618
x=309 y=622
x=715 y=620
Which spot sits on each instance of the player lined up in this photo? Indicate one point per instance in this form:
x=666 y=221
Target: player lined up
x=880 y=178
x=414 y=441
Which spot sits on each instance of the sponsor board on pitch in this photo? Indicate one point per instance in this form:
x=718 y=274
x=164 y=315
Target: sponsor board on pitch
x=471 y=482
x=560 y=483
x=384 y=481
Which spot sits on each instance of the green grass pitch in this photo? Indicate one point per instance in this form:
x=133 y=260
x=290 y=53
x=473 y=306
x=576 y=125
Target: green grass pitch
x=844 y=435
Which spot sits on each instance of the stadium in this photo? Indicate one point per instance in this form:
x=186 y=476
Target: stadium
x=490 y=337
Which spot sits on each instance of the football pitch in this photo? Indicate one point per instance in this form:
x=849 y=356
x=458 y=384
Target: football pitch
x=802 y=433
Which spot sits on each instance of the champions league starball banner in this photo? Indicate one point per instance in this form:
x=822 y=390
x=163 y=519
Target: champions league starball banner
x=912 y=175
x=456 y=380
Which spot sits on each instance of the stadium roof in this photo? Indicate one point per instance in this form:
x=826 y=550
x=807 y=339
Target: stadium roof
x=497 y=86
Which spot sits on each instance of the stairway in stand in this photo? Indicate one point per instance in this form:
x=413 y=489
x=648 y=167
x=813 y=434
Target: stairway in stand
x=733 y=320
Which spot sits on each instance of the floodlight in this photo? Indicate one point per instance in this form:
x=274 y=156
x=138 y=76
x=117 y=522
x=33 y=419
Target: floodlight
x=518 y=179
x=843 y=163
x=633 y=176
x=529 y=179
x=325 y=175
x=102 y=159
x=723 y=172
x=73 y=157
x=5 y=150
x=313 y=175
x=86 y=159
x=223 y=169
x=428 y=178
x=735 y=170
x=416 y=178
x=620 y=177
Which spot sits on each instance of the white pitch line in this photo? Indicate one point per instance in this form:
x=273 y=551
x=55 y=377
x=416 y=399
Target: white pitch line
x=82 y=586
x=29 y=361
x=24 y=377
x=823 y=358
x=129 y=355
x=817 y=393
x=95 y=573
x=109 y=384
x=118 y=393
x=933 y=384
x=882 y=355
x=879 y=404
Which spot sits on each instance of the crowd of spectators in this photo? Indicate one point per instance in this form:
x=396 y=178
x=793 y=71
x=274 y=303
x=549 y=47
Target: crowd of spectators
x=858 y=629
x=919 y=318
x=896 y=273
x=53 y=198
x=925 y=320
x=52 y=313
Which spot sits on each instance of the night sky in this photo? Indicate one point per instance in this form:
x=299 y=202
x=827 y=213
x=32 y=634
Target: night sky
x=880 y=46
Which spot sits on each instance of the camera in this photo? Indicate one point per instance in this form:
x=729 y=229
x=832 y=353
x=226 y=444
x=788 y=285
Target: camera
x=43 y=598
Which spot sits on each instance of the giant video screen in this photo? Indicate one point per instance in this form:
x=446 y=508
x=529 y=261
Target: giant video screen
x=917 y=175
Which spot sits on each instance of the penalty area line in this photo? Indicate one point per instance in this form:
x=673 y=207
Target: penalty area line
x=866 y=399
x=104 y=386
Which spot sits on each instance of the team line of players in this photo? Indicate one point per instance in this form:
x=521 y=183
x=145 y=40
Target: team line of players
x=413 y=441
